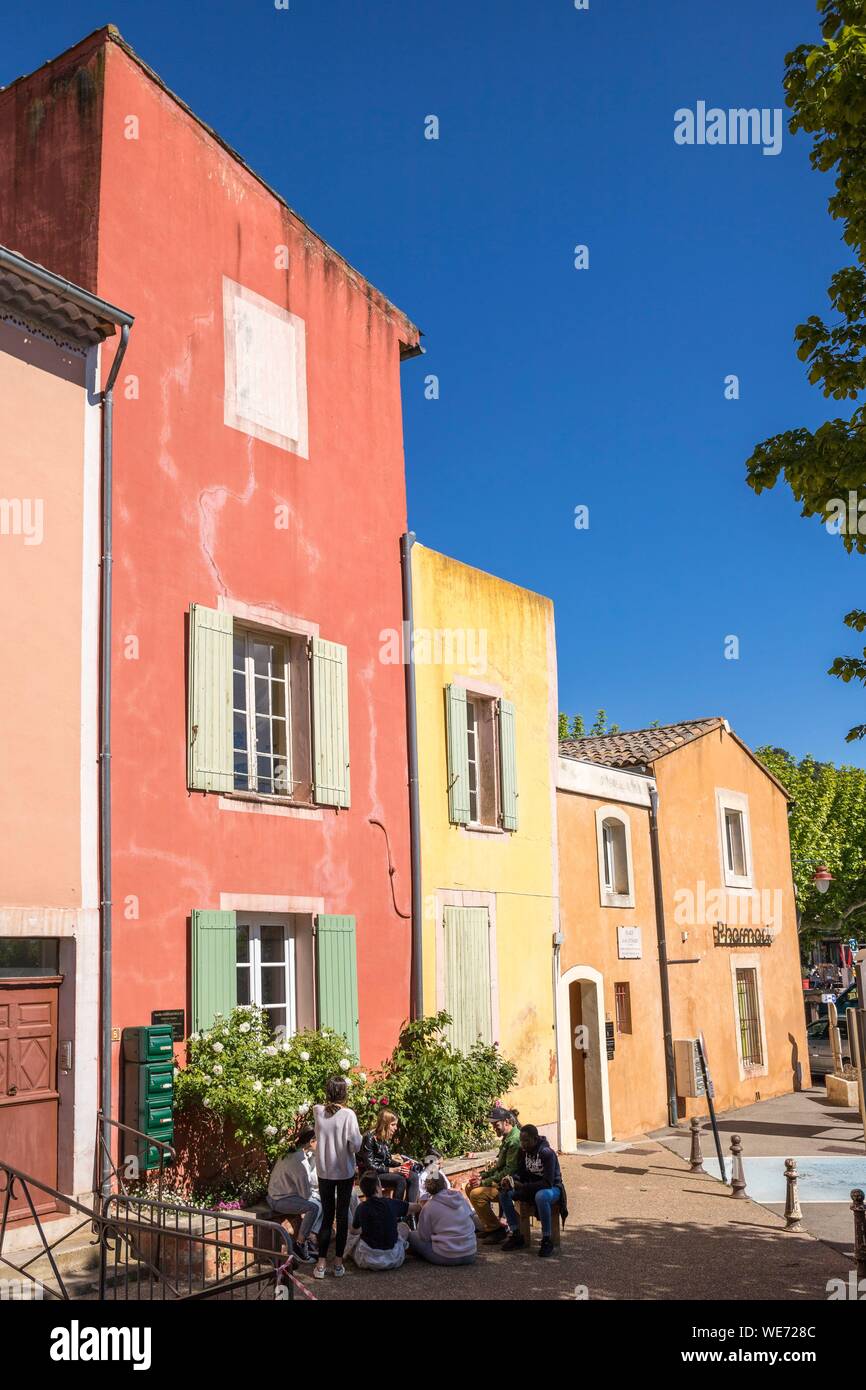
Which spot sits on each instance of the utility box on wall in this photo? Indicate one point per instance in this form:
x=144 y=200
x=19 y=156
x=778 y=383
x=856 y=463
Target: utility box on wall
x=148 y=1091
x=690 y=1079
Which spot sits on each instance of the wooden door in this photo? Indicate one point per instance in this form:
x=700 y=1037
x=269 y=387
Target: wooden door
x=29 y=1099
x=578 y=1060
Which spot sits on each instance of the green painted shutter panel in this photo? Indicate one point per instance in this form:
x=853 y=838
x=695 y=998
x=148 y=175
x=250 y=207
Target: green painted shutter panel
x=507 y=765
x=337 y=976
x=214 y=966
x=330 y=723
x=467 y=975
x=209 y=739
x=458 y=755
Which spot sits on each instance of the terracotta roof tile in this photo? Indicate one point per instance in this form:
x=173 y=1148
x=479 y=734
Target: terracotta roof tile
x=637 y=747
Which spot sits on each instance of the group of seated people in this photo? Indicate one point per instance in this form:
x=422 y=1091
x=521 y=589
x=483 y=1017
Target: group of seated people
x=403 y=1204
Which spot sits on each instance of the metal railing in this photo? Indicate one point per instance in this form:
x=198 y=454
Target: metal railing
x=108 y=1171
x=153 y=1250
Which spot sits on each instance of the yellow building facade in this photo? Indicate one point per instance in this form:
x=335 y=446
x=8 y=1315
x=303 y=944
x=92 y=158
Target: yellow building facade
x=485 y=675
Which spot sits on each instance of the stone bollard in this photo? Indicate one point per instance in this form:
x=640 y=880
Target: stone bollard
x=696 y=1158
x=793 y=1214
x=858 y=1206
x=738 y=1177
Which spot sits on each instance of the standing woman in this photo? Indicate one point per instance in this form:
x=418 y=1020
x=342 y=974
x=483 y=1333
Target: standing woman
x=338 y=1141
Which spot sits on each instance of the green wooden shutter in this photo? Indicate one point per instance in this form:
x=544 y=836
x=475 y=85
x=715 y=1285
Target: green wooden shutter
x=214 y=966
x=467 y=975
x=458 y=755
x=209 y=735
x=330 y=723
x=337 y=976
x=507 y=766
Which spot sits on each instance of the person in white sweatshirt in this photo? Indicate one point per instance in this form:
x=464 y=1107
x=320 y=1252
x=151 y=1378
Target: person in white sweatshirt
x=447 y=1226
x=293 y=1190
x=338 y=1140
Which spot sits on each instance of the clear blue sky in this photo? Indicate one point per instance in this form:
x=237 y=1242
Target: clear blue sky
x=560 y=387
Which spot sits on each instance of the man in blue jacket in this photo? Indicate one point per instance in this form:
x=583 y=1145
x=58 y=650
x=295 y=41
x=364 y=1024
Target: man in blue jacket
x=538 y=1179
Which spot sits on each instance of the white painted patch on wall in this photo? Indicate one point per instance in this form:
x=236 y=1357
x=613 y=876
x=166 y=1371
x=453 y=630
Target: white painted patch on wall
x=265 y=369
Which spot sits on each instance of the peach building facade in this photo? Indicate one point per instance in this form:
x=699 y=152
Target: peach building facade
x=722 y=885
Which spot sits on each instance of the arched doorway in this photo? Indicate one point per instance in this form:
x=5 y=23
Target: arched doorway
x=584 y=1100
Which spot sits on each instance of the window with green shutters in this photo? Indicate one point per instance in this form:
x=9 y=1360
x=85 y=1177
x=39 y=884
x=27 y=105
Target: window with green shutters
x=268 y=712
x=337 y=976
x=467 y=976
x=481 y=759
x=330 y=723
x=209 y=766
x=214 y=966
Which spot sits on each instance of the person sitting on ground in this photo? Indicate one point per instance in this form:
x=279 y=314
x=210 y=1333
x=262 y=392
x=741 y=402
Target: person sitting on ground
x=483 y=1190
x=431 y=1167
x=375 y=1156
x=538 y=1179
x=381 y=1245
x=293 y=1190
x=447 y=1226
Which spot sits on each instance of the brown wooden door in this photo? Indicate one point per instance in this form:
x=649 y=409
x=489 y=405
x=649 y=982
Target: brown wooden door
x=29 y=1099
x=578 y=1060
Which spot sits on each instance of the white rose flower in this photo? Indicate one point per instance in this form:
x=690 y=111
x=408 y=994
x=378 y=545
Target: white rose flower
x=207 y=1102
x=225 y=1032
x=303 y=1107
x=270 y=1051
x=270 y=1131
x=177 y=1071
x=218 y=1047
x=305 y=1056
x=287 y=1047
x=348 y=1080
x=362 y=1077
x=205 y=1078
x=194 y=1037
x=257 y=1085
x=217 y=1071
x=244 y=1028
x=205 y=1037
x=344 y=1064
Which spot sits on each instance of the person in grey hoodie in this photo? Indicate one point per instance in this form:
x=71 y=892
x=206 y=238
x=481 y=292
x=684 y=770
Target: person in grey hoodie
x=338 y=1140
x=447 y=1226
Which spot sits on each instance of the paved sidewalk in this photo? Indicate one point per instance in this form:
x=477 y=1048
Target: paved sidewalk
x=827 y=1141
x=641 y=1226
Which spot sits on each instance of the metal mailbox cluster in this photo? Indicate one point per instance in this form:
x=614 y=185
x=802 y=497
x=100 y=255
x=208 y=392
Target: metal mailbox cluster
x=148 y=1088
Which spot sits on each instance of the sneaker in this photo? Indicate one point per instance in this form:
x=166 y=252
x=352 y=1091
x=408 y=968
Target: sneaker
x=339 y=1271
x=513 y=1241
x=303 y=1254
x=546 y=1247
x=319 y=1272
x=496 y=1237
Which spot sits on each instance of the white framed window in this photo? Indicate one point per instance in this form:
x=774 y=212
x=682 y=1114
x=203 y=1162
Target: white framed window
x=271 y=714
x=266 y=969
x=735 y=841
x=748 y=1014
x=482 y=742
x=615 y=874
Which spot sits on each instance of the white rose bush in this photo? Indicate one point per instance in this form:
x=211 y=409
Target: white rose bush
x=261 y=1087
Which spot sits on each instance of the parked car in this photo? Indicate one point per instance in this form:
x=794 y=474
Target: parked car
x=820 y=1051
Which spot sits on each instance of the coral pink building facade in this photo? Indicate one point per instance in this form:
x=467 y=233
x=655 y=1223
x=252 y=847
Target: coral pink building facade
x=259 y=501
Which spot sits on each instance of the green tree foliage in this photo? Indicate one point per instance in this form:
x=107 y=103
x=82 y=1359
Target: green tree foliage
x=828 y=825
x=574 y=726
x=825 y=87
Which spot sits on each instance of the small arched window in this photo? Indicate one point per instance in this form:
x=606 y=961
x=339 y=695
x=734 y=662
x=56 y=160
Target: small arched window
x=614 y=858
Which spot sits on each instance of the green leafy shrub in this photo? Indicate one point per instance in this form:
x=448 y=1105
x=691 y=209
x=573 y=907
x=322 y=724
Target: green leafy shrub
x=244 y=1096
x=442 y=1096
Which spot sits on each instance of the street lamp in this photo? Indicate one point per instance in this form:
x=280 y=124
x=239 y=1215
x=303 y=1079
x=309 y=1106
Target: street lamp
x=822 y=878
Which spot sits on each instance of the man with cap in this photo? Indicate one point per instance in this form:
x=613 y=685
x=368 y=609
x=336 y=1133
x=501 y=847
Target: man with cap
x=483 y=1189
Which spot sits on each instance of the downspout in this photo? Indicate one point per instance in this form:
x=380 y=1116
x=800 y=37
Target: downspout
x=663 y=957
x=106 y=400
x=416 y=997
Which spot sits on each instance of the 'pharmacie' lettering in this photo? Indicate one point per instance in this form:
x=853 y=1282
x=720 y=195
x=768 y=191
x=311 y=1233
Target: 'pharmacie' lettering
x=740 y=936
